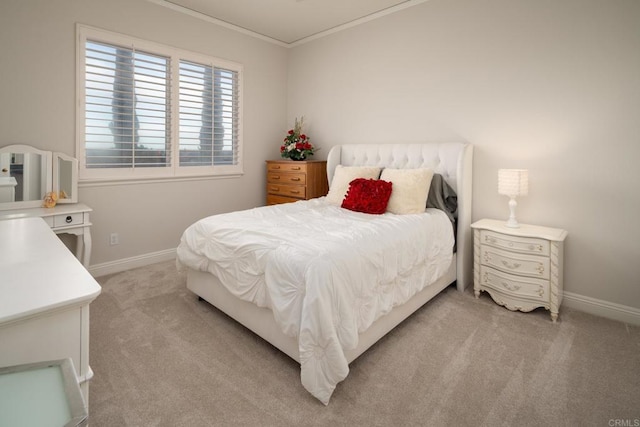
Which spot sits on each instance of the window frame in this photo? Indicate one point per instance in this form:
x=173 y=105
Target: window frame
x=173 y=170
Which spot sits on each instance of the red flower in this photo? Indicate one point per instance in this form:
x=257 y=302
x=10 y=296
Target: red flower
x=291 y=132
x=282 y=148
x=303 y=136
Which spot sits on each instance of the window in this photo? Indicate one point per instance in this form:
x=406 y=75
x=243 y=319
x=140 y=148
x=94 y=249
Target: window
x=149 y=111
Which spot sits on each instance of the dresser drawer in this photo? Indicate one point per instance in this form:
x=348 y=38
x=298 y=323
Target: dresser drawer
x=68 y=219
x=515 y=286
x=286 y=167
x=526 y=245
x=287 y=178
x=286 y=190
x=273 y=199
x=520 y=264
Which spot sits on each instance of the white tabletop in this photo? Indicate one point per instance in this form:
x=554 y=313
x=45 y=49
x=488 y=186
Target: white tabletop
x=37 y=271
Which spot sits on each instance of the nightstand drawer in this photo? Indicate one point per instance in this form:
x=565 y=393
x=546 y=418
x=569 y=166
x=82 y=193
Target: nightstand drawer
x=290 y=178
x=520 y=264
x=526 y=245
x=286 y=190
x=515 y=286
x=69 y=219
x=286 y=166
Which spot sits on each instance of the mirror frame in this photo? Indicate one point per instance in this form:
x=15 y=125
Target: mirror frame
x=45 y=167
x=57 y=157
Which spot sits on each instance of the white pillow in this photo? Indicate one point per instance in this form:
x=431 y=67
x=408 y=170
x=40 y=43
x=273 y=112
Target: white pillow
x=343 y=176
x=410 y=189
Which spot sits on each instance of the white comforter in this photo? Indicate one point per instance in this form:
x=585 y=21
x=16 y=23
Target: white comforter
x=327 y=273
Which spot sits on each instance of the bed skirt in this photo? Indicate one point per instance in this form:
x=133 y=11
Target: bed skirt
x=260 y=320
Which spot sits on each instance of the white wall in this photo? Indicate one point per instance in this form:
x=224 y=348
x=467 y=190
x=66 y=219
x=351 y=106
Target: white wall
x=37 y=107
x=551 y=86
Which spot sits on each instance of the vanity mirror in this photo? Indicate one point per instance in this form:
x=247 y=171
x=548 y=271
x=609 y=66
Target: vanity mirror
x=27 y=174
x=65 y=177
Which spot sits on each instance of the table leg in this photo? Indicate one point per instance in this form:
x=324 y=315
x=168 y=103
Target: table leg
x=86 y=237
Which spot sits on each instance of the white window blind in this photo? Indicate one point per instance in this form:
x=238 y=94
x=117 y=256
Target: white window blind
x=128 y=111
x=147 y=110
x=208 y=115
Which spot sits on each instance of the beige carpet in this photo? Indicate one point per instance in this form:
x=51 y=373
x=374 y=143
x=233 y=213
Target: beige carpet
x=162 y=358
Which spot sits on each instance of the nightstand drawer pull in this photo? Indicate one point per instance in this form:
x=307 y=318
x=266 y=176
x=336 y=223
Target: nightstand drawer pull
x=513 y=266
x=68 y=219
x=510 y=286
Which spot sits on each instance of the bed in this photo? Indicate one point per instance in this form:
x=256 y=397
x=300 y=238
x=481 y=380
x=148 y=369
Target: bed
x=274 y=270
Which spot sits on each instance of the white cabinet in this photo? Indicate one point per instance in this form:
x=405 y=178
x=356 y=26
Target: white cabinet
x=44 y=299
x=521 y=268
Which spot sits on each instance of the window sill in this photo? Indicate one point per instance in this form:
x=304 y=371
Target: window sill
x=107 y=182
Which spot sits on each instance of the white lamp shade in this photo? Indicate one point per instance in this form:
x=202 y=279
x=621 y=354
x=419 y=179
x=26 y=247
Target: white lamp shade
x=513 y=182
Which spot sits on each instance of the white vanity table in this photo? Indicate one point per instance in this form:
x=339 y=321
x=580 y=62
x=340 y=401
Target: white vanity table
x=33 y=173
x=71 y=219
x=45 y=290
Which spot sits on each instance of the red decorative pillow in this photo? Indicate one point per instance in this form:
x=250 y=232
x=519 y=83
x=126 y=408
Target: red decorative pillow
x=368 y=195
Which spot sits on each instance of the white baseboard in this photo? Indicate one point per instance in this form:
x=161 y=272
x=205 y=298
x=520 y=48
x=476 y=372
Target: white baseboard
x=602 y=308
x=124 y=264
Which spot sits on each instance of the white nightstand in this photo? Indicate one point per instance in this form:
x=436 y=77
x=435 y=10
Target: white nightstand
x=521 y=268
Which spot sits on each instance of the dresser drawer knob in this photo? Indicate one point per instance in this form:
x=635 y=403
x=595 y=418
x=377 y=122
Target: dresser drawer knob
x=295 y=179
x=68 y=219
x=275 y=177
x=295 y=192
x=295 y=168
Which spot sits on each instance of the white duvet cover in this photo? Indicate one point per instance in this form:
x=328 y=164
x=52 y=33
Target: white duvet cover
x=327 y=273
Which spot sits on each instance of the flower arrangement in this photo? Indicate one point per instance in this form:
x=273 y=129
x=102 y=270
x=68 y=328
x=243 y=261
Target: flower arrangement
x=296 y=144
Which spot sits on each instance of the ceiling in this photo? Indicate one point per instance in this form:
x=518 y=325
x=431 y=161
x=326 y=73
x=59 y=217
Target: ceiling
x=288 y=22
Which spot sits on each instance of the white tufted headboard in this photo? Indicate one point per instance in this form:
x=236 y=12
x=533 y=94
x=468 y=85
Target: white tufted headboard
x=452 y=160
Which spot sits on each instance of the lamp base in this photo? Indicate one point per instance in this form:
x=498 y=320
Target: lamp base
x=512 y=222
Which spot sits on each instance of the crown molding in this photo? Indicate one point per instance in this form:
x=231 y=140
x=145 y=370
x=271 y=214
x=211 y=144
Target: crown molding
x=337 y=28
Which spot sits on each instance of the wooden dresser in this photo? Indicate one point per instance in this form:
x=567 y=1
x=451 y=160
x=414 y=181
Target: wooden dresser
x=290 y=181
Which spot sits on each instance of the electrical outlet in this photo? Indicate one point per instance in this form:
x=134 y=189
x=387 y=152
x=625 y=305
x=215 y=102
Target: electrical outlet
x=114 y=239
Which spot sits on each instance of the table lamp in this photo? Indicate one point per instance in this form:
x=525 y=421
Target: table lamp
x=513 y=183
